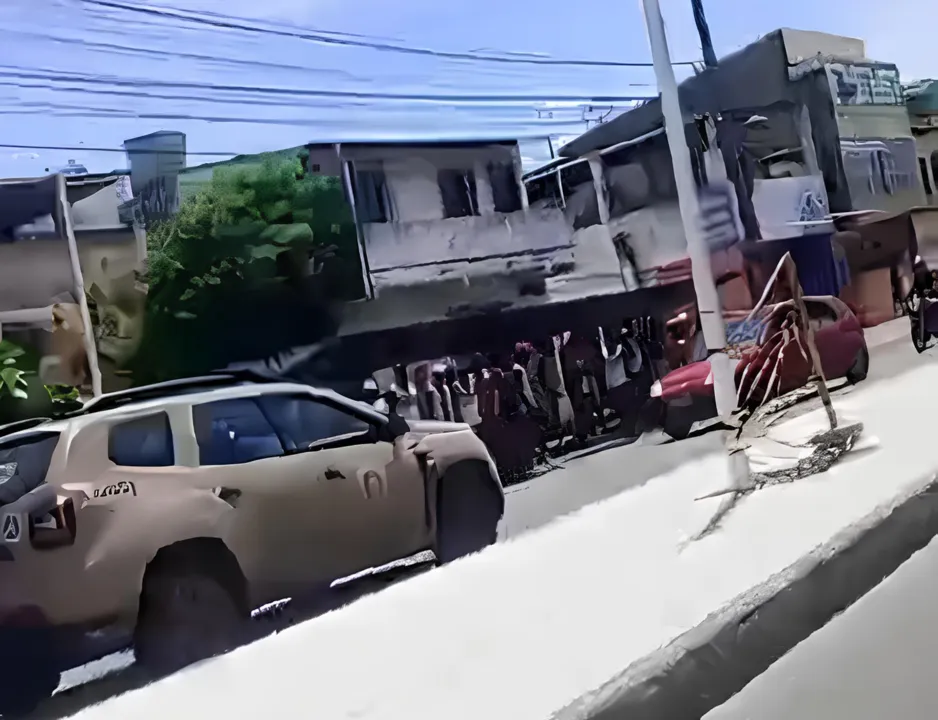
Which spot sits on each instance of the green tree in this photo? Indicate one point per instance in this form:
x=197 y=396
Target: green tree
x=22 y=394
x=251 y=265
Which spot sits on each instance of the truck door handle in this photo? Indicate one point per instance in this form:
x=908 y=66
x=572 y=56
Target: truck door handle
x=333 y=474
x=228 y=495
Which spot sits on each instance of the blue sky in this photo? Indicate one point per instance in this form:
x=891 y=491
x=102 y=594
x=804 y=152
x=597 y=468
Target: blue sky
x=81 y=75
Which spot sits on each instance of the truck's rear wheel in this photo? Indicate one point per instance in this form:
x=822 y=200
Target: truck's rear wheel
x=28 y=671
x=469 y=506
x=187 y=613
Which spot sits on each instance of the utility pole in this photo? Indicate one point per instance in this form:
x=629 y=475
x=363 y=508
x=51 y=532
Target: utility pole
x=708 y=300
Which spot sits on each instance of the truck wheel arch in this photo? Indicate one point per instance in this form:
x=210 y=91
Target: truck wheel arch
x=207 y=555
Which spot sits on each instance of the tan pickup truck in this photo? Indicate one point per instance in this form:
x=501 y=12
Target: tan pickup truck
x=169 y=512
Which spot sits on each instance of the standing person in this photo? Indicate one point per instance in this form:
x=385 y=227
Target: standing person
x=534 y=369
x=429 y=402
x=520 y=375
x=455 y=390
x=438 y=381
x=554 y=371
x=659 y=365
x=579 y=365
x=620 y=390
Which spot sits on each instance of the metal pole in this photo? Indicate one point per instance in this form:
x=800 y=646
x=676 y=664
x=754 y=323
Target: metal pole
x=708 y=300
x=703 y=30
x=91 y=349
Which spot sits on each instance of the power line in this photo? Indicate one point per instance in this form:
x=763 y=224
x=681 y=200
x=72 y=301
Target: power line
x=347 y=40
x=117 y=48
x=82 y=148
x=217 y=153
x=57 y=78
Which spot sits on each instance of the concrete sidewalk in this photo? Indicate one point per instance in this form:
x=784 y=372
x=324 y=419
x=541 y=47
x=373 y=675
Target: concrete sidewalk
x=888 y=332
x=875 y=661
x=605 y=613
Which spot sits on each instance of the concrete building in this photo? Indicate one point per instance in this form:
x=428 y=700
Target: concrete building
x=446 y=231
x=816 y=128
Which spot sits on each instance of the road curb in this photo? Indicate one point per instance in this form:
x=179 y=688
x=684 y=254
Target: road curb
x=710 y=663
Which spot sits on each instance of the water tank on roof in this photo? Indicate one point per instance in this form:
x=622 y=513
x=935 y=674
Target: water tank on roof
x=74 y=168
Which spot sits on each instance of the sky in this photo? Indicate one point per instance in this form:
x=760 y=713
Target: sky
x=88 y=74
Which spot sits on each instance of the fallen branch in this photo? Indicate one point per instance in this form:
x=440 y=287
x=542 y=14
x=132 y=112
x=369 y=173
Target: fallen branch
x=829 y=446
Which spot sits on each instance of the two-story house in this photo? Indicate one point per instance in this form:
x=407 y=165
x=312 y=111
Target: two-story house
x=447 y=231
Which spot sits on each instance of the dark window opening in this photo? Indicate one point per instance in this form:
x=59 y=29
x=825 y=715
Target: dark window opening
x=545 y=191
x=505 y=191
x=458 y=189
x=934 y=164
x=582 y=204
x=926 y=181
x=143 y=442
x=371 y=196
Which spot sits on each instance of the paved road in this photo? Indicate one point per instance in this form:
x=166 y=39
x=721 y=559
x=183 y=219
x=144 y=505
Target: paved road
x=875 y=661
x=529 y=505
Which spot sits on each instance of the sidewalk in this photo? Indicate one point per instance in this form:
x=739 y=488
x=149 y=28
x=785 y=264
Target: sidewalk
x=888 y=332
x=601 y=614
x=875 y=661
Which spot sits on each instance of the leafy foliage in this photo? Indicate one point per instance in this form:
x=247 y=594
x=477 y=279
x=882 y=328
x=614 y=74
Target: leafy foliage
x=22 y=393
x=248 y=267
x=12 y=374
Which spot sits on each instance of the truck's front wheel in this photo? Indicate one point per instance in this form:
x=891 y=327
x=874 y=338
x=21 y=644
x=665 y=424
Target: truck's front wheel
x=187 y=614
x=28 y=670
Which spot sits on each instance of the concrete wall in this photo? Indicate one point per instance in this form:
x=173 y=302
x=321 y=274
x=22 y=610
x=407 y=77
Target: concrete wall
x=98 y=210
x=873 y=121
x=891 y=125
x=34 y=272
x=655 y=234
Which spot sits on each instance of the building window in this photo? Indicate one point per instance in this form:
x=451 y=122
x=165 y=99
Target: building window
x=143 y=442
x=371 y=196
x=582 y=204
x=458 y=189
x=934 y=165
x=926 y=180
x=505 y=190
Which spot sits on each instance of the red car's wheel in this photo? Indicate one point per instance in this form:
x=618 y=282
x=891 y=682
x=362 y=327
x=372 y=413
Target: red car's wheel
x=861 y=366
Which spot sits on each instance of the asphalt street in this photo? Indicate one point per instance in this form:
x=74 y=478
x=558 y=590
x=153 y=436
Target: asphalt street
x=575 y=483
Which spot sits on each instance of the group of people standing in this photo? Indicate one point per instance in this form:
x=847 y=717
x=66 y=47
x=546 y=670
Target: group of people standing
x=544 y=395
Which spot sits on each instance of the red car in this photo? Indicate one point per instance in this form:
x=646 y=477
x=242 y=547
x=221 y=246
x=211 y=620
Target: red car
x=775 y=363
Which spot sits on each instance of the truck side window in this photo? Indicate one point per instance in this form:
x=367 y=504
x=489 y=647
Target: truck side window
x=231 y=432
x=142 y=442
x=303 y=420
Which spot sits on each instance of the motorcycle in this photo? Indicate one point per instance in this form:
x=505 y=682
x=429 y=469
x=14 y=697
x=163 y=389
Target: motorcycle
x=921 y=304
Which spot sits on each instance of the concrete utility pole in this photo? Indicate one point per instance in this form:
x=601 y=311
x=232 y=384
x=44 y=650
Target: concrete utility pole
x=708 y=300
